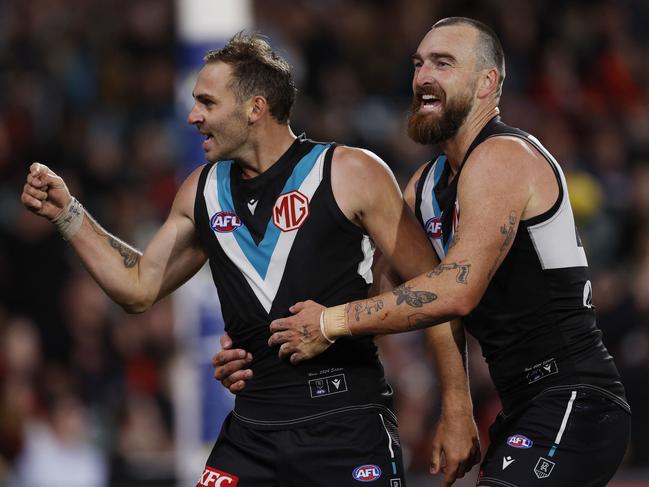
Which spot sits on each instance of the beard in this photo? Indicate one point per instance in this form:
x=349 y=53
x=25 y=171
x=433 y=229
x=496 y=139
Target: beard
x=425 y=128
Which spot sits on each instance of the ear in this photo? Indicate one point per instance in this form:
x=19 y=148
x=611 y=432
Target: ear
x=488 y=82
x=257 y=108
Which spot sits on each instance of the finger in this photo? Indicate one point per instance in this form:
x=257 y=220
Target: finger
x=225 y=356
x=450 y=470
x=278 y=338
x=286 y=350
x=280 y=324
x=297 y=307
x=435 y=459
x=35 y=192
x=226 y=341
x=298 y=357
x=237 y=386
x=30 y=202
x=228 y=369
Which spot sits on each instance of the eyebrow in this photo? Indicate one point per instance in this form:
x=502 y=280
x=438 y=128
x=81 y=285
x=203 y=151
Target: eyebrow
x=434 y=56
x=202 y=97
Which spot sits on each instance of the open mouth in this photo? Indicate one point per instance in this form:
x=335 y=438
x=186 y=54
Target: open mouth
x=429 y=102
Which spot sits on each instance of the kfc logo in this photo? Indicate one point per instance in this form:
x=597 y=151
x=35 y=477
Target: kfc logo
x=290 y=211
x=215 y=478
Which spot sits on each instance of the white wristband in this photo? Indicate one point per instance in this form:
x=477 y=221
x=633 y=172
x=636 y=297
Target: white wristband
x=69 y=221
x=322 y=328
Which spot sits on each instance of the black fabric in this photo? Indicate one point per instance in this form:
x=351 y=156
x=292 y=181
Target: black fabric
x=588 y=453
x=323 y=265
x=324 y=454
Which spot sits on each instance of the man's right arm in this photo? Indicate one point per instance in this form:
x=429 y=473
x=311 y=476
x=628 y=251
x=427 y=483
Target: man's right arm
x=133 y=279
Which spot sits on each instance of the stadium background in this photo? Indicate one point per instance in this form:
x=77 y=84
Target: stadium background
x=98 y=90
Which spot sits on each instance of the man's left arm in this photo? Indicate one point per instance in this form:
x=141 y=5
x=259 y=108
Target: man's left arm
x=493 y=192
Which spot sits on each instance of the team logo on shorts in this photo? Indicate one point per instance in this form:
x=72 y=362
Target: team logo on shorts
x=225 y=222
x=434 y=228
x=519 y=441
x=366 y=473
x=290 y=211
x=215 y=478
x=543 y=468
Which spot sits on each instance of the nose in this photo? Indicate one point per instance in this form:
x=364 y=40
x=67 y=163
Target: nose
x=424 y=75
x=194 y=116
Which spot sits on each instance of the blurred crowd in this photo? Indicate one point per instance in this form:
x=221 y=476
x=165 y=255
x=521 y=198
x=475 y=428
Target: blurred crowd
x=88 y=88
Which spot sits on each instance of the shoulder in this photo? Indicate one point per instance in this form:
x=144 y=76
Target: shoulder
x=358 y=163
x=502 y=152
x=186 y=196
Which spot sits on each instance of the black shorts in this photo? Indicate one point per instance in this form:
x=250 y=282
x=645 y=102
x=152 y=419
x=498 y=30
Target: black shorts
x=348 y=450
x=564 y=437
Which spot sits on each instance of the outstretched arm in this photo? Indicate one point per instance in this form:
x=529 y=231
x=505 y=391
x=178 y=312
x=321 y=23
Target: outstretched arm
x=133 y=279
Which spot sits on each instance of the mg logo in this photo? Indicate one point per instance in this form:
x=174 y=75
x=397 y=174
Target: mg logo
x=290 y=211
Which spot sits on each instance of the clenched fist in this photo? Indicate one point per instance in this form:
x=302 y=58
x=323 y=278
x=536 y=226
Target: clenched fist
x=44 y=193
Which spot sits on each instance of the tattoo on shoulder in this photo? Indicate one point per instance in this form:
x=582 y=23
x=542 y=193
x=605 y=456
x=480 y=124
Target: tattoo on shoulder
x=462 y=271
x=368 y=307
x=411 y=297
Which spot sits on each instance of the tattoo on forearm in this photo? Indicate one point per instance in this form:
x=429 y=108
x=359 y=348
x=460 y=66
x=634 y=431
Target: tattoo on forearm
x=130 y=255
x=462 y=271
x=413 y=298
x=417 y=321
x=508 y=231
x=367 y=307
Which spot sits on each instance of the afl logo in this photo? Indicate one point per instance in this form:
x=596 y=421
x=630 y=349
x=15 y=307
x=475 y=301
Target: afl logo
x=434 y=228
x=225 y=222
x=519 y=441
x=290 y=211
x=366 y=473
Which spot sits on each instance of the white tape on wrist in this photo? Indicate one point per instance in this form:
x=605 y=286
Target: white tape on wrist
x=333 y=322
x=322 y=328
x=69 y=221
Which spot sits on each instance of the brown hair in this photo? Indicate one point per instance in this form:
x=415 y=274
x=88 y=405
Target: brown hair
x=258 y=70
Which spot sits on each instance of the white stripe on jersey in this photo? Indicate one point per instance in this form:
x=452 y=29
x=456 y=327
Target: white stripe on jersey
x=555 y=239
x=264 y=289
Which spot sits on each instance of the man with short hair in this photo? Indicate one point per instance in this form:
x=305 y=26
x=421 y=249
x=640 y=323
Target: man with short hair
x=496 y=209
x=280 y=218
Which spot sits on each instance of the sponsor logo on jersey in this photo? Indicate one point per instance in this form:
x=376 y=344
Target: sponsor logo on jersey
x=324 y=386
x=215 y=478
x=543 y=468
x=434 y=228
x=507 y=461
x=225 y=222
x=395 y=482
x=541 y=370
x=290 y=211
x=519 y=441
x=366 y=473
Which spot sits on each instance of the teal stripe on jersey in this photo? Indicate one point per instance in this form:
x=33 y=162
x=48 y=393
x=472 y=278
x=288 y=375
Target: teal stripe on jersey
x=259 y=256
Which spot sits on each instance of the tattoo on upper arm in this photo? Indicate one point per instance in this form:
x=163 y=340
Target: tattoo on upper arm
x=508 y=231
x=367 y=307
x=462 y=271
x=130 y=255
x=413 y=298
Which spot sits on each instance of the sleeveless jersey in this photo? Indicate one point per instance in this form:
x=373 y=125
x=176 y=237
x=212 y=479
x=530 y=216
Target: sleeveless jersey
x=272 y=241
x=535 y=322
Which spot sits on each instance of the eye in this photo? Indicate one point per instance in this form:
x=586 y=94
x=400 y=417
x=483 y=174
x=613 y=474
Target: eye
x=417 y=64
x=443 y=64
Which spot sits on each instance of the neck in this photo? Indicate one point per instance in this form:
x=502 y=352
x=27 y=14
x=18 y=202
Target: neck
x=265 y=149
x=456 y=147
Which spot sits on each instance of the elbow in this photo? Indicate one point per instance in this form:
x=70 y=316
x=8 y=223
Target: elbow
x=136 y=306
x=464 y=304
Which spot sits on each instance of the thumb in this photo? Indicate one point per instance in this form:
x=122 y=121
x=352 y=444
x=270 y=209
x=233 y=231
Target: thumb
x=226 y=342
x=435 y=459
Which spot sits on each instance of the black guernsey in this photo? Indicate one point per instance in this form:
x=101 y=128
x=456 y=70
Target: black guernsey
x=535 y=322
x=272 y=241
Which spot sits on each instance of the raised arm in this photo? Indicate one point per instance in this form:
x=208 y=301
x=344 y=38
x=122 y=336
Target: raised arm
x=133 y=279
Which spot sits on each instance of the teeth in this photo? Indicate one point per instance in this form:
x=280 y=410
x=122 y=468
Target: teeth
x=429 y=97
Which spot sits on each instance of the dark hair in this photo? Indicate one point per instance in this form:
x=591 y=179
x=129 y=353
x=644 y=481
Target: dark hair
x=490 y=49
x=257 y=70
